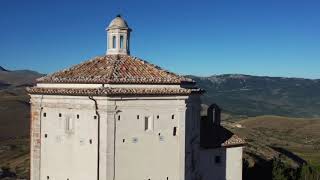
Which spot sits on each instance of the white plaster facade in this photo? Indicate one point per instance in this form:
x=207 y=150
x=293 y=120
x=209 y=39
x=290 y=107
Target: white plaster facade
x=123 y=137
x=127 y=149
x=221 y=163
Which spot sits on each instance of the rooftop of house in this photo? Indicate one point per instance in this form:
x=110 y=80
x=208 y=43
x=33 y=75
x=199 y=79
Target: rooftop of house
x=115 y=69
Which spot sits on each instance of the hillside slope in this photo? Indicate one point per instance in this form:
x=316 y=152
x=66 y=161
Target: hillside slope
x=14 y=102
x=257 y=95
x=18 y=77
x=292 y=140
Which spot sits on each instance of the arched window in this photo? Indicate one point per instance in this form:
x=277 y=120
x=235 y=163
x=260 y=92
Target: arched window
x=214 y=114
x=114 y=42
x=121 y=41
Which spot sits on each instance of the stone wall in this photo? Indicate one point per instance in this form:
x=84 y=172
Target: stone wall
x=35 y=141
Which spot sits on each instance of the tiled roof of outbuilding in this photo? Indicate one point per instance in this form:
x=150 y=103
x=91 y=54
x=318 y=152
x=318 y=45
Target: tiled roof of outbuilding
x=115 y=69
x=218 y=136
x=233 y=141
x=215 y=136
x=106 y=91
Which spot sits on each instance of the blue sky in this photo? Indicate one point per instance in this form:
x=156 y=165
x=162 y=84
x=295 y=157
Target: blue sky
x=200 y=37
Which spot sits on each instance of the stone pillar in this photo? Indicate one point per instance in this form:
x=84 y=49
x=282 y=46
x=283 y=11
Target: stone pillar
x=103 y=140
x=35 y=142
x=182 y=141
x=110 y=148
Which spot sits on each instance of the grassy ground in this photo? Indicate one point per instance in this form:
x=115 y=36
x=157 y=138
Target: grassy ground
x=14 y=154
x=269 y=136
x=14 y=131
x=14 y=113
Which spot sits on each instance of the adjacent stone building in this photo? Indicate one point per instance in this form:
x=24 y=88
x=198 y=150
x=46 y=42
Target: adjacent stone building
x=118 y=117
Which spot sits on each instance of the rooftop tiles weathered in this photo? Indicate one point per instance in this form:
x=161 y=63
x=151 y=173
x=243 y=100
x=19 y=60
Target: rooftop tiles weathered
x=111 y=91
x=115 y=69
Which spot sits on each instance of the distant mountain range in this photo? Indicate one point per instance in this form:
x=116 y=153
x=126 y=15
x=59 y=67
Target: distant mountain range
x=17 y=77
x=237 y=95
x=259 y=95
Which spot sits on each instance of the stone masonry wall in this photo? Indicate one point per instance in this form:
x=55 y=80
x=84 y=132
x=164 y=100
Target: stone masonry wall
x=35 y=136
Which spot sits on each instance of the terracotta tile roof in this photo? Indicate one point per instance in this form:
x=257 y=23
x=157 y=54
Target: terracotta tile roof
x=111 y=91
x=115 y=69
x=233 y=141
x=215 y=136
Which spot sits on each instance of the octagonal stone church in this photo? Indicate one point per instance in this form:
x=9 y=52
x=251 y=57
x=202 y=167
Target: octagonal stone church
x=118 y=117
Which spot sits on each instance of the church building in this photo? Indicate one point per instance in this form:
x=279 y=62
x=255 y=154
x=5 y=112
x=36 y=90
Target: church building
x=118 y=117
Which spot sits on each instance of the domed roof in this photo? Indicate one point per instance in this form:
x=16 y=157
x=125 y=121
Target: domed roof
x=115 y=69
x=118 y=23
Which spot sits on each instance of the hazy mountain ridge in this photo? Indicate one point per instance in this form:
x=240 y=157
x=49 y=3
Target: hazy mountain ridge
x=261 y=95
x=236 y=93
x=18 y=77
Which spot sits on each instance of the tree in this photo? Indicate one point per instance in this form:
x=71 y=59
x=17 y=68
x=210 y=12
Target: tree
x=308 y=172
x=278 y=170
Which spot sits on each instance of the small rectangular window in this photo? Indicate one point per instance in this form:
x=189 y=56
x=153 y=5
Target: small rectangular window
x=217 y=159
x=174 y=131
x=78 y=116
x=119 y=118
x=148 y=123
x=44 y=114
x=172 y=117
x=138 y=117
x=69 y=124
x=60 y=115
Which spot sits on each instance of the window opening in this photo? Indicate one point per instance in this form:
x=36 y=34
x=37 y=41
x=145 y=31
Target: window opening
x=121 y=41
x=217 y=159
x=113 y=42
x=148 y=123
x=69 y=124
x=174 y=131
